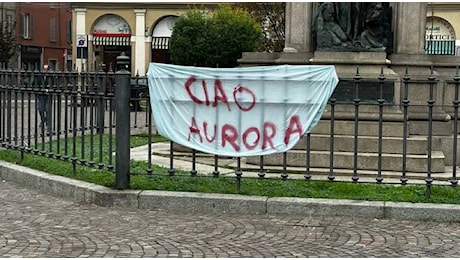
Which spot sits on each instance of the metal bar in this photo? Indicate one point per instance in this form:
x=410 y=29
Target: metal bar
x=193 y=171
x=83 y=115
x=23 y=92
x=92 y=107
x=67 y=93
x=149 y=145
x=216 y=172
x=430 y=102
x=356 y=102
x=101 y=115
x=110 y=97
x=284 y=174
x=29 y=113
x=49 y=120
x=238 y=174
x=171 y=171
x=58 y=119
x=261 y=173
x=330 y=176
x=381 y=102
x=307 y=175
x=405 y=102
x=74 y=80
x=453 y=180
x=16 y=108
x=9 y=107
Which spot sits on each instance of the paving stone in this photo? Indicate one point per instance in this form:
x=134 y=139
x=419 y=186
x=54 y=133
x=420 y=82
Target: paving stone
x=37 y=225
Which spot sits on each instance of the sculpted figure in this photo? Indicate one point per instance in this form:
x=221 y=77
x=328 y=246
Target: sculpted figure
x=348 y=17
x=373 y=36
x=352 y=26
x=329 y=33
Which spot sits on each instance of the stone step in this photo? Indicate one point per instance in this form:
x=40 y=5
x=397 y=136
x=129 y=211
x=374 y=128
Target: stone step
x=366 y=144
x=345 y=160
x=365 y=128
x=370 y=176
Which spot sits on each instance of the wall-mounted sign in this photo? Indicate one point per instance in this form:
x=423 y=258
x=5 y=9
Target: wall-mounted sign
x=439 y=29
x=31 y=49
x=82 y=40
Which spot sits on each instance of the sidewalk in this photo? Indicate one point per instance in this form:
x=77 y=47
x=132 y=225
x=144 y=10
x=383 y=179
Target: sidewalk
x=88 y=193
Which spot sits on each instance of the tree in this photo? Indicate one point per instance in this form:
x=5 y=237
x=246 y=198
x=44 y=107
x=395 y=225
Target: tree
x=214 y=38
x=271 y=17
x=7 y=42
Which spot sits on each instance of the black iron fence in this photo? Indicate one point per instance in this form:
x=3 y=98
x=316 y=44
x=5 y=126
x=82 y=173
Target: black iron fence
x=403 y=131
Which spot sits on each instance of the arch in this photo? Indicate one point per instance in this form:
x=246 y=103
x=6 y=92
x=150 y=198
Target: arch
x=162 y=31
x=438 y=28
x=111 y=35
x=111 y=29
x=439 y=36
x=164 y=26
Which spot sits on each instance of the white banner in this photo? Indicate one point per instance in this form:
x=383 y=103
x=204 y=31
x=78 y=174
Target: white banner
x=243 y=111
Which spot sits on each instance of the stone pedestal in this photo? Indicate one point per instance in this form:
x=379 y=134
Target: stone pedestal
x=369 y=66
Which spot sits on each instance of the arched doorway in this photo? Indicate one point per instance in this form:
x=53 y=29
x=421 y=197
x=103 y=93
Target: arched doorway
x=439 y=37
x=160 y=39
x=111 y=37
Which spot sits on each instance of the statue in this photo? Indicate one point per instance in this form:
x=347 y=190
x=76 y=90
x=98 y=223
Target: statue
x=353 y=26
x=373 y=35
x=330 y=34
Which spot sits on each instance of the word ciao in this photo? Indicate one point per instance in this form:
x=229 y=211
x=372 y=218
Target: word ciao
x=262 y=137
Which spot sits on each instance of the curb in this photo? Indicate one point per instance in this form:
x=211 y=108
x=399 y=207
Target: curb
x=188 y=202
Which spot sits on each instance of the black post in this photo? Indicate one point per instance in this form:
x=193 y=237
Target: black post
x=122 y=128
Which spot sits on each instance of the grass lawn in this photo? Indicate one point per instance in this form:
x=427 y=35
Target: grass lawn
x=182 y=181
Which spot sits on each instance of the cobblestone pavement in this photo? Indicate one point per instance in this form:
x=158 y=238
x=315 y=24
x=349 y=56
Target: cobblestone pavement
x=37 y=225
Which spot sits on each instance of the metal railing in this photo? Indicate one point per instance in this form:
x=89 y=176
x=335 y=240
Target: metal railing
x=61 y=114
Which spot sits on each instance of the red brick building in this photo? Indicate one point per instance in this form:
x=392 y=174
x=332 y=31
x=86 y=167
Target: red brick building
x=44 y=34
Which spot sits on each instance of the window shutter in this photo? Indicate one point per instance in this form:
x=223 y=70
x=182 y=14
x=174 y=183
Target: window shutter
x=69 y=31
x=53 y=29
x=23 y=25
x=31 y=26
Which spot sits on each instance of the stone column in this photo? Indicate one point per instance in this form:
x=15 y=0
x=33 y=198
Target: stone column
x=410 y=27
x=139 y=58
x=80 y=29
x=409 y=54
x=298 y=26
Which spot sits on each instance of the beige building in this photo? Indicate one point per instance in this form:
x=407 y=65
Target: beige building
x=102 y=31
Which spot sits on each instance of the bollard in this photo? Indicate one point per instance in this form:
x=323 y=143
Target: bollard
x=122 y=128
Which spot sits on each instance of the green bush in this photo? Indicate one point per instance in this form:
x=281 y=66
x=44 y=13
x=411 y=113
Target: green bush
x=214 y=38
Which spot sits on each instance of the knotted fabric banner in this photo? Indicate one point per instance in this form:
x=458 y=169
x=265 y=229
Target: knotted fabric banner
x=242 y=111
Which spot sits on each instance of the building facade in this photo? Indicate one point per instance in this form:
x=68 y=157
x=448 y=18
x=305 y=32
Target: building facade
x=43 y=31
x=141 y=31
x=102 y=31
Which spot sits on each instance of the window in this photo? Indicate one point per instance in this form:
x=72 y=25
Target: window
x=53 y=29
x=27 y=26
x=52 y=64
x=52 y=5
x=69 y=31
